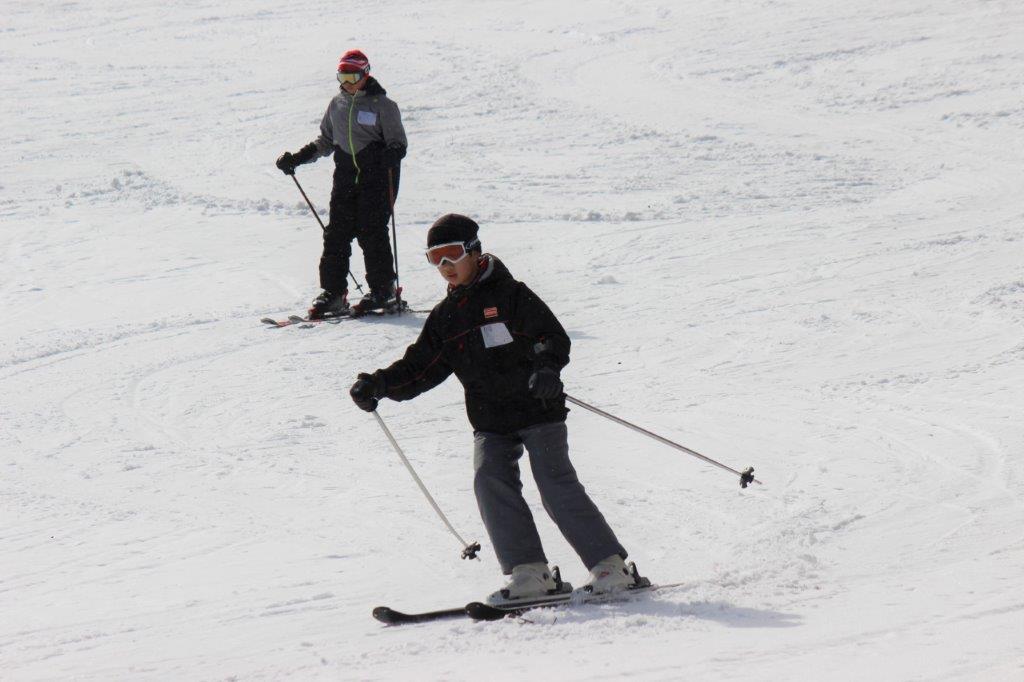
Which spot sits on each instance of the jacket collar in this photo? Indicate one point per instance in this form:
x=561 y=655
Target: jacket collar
x=371 y=89
x=490 y=269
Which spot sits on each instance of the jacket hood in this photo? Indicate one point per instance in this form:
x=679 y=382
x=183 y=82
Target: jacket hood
x=373 y=87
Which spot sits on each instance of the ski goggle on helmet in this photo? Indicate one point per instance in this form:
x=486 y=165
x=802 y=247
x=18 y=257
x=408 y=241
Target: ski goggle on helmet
x=452 y=252
x=350 y=77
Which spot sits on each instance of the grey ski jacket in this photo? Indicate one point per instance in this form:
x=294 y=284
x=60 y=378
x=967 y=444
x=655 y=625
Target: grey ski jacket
x=354 y=122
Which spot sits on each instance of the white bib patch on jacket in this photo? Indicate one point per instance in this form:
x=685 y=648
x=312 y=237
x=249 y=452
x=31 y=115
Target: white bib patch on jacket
x=366 y=118
x=495 y=334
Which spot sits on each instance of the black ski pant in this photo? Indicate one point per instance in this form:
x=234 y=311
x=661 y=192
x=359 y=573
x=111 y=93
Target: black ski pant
x=505 y=514
x=361 y=211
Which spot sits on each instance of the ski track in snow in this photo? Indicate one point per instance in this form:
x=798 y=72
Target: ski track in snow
x=788 y=235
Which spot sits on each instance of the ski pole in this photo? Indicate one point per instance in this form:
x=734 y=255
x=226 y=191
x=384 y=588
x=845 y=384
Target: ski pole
x=468 y=550
x=746 y=476
x=394 y=234
x=322 y=226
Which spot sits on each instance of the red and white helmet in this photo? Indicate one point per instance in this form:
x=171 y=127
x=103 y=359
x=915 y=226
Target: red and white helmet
x=354 y=61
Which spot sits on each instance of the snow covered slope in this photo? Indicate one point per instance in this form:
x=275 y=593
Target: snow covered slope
x=787 y=234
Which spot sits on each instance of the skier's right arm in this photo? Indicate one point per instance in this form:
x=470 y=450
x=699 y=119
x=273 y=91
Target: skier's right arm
x=420 y=369
x=323 y=145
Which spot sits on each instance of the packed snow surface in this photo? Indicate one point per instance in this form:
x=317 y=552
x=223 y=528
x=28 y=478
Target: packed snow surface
x=786 y=234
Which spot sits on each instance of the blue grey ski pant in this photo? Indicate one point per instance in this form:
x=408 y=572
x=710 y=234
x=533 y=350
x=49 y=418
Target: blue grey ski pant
x=505 y=513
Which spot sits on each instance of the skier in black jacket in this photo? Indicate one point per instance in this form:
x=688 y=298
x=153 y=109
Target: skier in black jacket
x=507 y=348
x=363 y=129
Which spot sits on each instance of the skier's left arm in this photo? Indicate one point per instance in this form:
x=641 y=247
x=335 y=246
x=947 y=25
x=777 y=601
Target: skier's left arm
x=534 y=320
x=395 y=141
x=549 y=343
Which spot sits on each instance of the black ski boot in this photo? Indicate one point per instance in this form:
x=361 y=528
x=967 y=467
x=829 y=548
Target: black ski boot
x=383 y=298
x=329 y=304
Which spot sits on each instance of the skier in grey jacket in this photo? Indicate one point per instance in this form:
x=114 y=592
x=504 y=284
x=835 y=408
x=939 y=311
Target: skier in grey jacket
x=363 y=129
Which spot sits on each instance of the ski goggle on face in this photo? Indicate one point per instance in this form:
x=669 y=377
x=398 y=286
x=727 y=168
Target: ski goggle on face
x=350 y=78
x=451 y=252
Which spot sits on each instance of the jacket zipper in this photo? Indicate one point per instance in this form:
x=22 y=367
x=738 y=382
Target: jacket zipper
x=351 y=145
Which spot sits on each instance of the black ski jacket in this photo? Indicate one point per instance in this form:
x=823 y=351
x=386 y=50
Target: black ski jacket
x=493 y=334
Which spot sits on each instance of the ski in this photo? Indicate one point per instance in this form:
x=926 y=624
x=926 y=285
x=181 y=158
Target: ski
x=484 y=612
x=308 y=322
x=480 y=611
x=391 y=617
x=275 y=323
x=298 y=320
x=305 y=322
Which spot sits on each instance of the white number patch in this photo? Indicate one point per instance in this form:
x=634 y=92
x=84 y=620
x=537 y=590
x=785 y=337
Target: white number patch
x=367 y=118
x=495 y=334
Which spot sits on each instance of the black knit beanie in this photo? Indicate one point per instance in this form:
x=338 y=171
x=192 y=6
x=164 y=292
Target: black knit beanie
x=453 y=227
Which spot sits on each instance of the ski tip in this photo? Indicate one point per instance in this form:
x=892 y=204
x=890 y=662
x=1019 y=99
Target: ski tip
x=270 y=322
x=384 y=614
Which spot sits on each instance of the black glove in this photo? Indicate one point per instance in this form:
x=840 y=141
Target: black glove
x=286 y=162
x=393 y=156
x=545 y=384
x=366 y=391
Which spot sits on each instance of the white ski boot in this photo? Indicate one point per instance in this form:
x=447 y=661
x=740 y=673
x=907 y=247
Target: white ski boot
x=609 y=575
x=528 y=581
